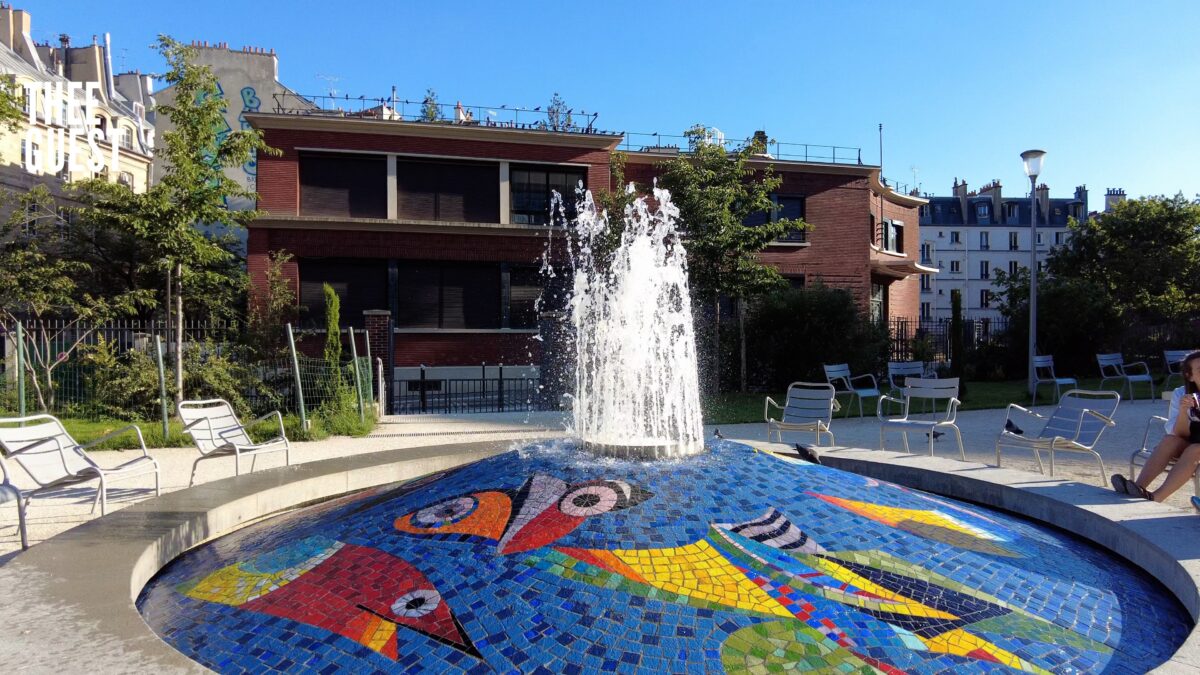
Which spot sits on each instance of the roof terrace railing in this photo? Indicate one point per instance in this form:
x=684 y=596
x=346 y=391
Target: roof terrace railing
x=671 y=144
x=389 y=108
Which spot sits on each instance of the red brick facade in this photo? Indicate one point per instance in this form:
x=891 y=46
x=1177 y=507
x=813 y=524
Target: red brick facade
x=841 y=202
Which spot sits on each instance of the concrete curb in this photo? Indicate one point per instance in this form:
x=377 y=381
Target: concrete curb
x=1162 y=540
x=68 y=603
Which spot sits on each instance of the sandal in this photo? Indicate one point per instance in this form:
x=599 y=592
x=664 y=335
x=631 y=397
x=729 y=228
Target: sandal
x=1119 y=484
x=1135 y=490
x=1195 y=502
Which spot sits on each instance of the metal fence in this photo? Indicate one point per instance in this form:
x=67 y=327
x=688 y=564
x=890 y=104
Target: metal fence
x=428 y=394
x=929 y=339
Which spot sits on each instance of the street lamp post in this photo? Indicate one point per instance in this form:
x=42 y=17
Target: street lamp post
x=1033 y=167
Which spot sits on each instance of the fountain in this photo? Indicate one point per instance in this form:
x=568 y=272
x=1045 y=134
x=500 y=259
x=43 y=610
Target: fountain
x=637 y=389
x=548 y=559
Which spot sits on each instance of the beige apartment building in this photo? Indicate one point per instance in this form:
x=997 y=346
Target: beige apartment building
x=119 y=113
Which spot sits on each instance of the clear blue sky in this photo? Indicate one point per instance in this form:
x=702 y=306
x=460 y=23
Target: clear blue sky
x=1109 y=89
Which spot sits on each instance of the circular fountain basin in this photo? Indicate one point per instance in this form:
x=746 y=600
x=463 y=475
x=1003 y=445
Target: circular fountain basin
x=648 y=449
x=549 y=560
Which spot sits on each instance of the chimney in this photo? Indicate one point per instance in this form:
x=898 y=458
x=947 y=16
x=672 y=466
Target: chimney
x=7 y=26
x=1081 y=195
x=993 y=189
x=960 y=191
x=1112 y=197
x=1043 y=200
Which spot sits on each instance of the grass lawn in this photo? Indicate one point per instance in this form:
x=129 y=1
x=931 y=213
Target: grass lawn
x=734 y=407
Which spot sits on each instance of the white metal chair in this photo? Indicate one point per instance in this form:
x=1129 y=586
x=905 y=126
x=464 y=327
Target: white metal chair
x=1139 y=457
x=216 y=431
x=936 y=389
x=809 y=407
x=1113 y=367
x=52 y=458
x=1074 y=426
x=9 y=492
x=900 y=371
x=1043 y=373
x=1174 y=364
x=839 y=376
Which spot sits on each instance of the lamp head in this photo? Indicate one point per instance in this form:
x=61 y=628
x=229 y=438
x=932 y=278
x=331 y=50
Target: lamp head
x=1033 y=162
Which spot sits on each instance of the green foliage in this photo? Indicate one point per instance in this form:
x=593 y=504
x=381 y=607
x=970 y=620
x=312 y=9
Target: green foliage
x=333 y=328
x=274 y=306
x=791 y=333
x=11 y=97
x=430 y=110
x=1143 y=256
x=211 y=371
x=124 y=386
x=558 y=115
x=716 y=191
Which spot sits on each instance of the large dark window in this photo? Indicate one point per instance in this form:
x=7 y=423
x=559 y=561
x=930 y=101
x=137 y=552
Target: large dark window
x=467 y=295
x=361 y=284
x=449 y=191
x=791 y=208
x=532 y=187
x=343 y=185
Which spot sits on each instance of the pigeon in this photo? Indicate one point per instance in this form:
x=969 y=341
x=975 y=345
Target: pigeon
x=717 y=433
x=937 y=434
x=806 y=453
x=1012 y=428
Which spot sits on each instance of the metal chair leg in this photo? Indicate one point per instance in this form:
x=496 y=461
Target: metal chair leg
x=958 y=436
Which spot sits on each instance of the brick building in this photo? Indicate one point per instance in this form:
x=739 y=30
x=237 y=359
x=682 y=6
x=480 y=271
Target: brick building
x=439 y=227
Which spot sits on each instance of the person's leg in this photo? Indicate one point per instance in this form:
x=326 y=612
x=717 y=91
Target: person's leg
x=1179 y=474
x=1169 y=448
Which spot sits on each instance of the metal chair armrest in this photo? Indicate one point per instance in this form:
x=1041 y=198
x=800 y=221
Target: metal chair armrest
x=874 y=382
x=1108 y=421
x=118 y=432
x=952 y=409
x=277 y=415
x=1126 y=366
x=1027 y=411
x=766 y=409
x=879 y=406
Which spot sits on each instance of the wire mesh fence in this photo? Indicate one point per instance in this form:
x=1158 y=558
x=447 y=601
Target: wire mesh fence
x=122 y=376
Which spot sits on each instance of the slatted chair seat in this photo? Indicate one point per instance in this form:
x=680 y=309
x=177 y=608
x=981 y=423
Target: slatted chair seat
x=216 y=431
x=934 y=389
x=843 y=382
x=1113 y=367
x=51 y=457
x=1075 y=425
x=1139 y=457
x=1043 y=373
x=809 y=406
x=1173 y=358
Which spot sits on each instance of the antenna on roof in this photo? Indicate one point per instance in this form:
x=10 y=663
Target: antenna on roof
x=331 y=80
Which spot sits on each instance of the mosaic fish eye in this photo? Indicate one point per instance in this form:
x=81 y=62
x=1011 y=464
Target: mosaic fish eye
x=418 y=603
x=593 y=499
x=445 y=513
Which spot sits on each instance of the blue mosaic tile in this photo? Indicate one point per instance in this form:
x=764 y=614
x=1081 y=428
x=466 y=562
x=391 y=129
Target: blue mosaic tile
x=546 y=561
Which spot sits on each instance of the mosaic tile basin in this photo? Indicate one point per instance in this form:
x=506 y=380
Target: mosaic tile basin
x=552 y=561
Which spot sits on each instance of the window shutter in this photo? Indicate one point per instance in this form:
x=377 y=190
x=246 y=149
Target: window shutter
x=416 y=191
x=343 y=185
x=418 y=287
x=471 y=296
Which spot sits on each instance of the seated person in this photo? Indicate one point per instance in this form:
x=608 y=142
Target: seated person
x=1181 y=442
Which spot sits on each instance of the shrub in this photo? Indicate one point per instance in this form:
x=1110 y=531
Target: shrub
x=792 y=333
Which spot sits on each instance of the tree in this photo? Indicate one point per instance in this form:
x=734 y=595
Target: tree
x=1143 y=256
x=430 y=110
x=558 y=115
x=275 y=307
x=193 y=189
x=718 y=192
x=40 y=290
x=12 y=96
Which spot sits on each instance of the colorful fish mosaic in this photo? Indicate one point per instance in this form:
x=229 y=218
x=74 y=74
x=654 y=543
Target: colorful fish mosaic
x=735 y=561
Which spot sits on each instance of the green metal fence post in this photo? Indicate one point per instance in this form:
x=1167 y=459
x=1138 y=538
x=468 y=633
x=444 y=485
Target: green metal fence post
x=162 y=385
x=370 y=364
x=296 y=370
x=362 y=415
x=20 y=370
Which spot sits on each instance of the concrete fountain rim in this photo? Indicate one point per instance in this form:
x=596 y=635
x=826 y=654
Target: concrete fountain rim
x=75 y=607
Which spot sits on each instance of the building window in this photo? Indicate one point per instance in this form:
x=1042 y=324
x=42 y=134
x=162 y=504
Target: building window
x=1013 y=266
x=1039 y=238
x=926 y=310
x=335 y=185
x=1012 y=211
x=29 y=225
x=954 y=238
x=1060 y=238
x=360 y=283
x=127 y=138
x=985 y=271
x=924 y=211
x=926 y=252
x=985 y=241
x=466 y=192
x=467 y=295
x=790 y=207
x=125 y=178
x=926 y=283
x=878 y=302
x=66 y=218
x=1041 y=266
x=25 y=100
x=531 y=190
x=985 y=298
x=796 y=282
x=893 y=236
x=955 y=267
x=64 y=174
x=981 y=211
x=1012 y=241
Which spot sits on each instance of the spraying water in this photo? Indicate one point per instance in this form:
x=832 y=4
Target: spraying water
x=636 y=386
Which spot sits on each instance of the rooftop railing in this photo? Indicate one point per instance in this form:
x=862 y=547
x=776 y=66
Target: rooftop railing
x=671 y=144
x=570 y=121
